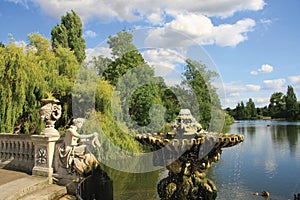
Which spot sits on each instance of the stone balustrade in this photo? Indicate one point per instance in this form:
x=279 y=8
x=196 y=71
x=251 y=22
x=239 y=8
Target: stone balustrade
x=16 y=152
x=33 y=154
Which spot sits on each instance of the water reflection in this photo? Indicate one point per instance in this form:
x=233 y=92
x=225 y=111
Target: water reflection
x=286 y=134
x=269 y=159
x=134 y=186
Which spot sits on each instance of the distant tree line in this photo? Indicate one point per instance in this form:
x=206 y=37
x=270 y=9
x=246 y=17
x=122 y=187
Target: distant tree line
x=280 y=107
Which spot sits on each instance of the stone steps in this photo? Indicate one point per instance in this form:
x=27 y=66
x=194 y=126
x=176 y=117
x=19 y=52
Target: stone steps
x=50 y=192
x=31 y=187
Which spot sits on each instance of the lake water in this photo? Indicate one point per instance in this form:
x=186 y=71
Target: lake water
x=268 y=159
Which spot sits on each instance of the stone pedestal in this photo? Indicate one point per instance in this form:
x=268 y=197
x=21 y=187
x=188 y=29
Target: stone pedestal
x=44 y=148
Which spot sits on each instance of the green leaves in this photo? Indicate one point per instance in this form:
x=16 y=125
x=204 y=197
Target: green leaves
x=69 y=35
x=26 y=75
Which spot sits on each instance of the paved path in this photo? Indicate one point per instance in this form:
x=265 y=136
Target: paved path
x=18 y=185
x=8 y=176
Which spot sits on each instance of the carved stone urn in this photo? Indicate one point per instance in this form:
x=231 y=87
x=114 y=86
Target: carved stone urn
x=50 y=113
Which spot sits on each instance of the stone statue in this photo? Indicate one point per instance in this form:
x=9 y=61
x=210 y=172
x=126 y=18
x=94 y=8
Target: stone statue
x=74 y=153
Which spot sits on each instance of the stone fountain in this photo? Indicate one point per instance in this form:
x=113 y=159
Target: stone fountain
x=187 y=153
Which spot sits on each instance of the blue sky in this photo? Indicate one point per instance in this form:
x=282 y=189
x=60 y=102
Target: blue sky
x=252 y=44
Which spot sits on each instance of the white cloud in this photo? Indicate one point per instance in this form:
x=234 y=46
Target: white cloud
x=265 y=68
x=188 y=17
x=20 y=43
x=252 y=87
x=275 y=84
x=253 y=72
x=233 y=88
x=89 y=34
x=234 y=94
x=95 y=52
x=137 y=10
x=294 y=79
x=156 y=18
x=233 y=34
x=190 y=28
x=266 y=22
x=164 y=60
x=261 y=101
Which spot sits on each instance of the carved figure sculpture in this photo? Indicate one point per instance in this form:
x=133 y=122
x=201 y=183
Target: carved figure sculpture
x=74 y=155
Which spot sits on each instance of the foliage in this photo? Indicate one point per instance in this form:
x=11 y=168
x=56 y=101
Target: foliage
x=198 y=81
x=291 y=104
x=277 y=105
x=69 y=35
x=27 y=74
x=122 y=65
x=121 y=44
x=280 y=107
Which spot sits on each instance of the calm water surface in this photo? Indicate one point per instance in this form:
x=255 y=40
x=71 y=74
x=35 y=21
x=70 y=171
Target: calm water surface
x=268 y=159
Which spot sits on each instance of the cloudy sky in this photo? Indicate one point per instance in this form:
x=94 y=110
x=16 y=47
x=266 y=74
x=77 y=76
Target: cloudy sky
x=252 y=44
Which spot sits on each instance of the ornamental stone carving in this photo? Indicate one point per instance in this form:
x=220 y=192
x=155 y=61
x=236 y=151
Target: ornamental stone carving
x=41 y=156
x=50 y=113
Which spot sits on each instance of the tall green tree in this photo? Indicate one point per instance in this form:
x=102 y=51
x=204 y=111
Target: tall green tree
x=69 y=35
x=199 y=79
x=125 y=57
x=240 y=111
x=277 y=105
x=251 y=112
x=121 y=43
x=291 y=104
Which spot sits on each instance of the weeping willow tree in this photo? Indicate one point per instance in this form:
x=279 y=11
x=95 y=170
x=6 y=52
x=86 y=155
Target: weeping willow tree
x=26 y=75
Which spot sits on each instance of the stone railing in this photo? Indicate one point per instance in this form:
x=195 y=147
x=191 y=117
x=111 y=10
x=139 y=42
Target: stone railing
x=33 y=154
x=16 y=152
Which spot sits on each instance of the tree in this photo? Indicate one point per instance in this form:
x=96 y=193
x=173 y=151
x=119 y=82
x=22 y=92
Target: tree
x=2 y=45
x=277 y=105
x=69 y=35
x=240 y=111
x=121 y=44
x=122 y=65
x=198 y=79
x=251 y=112
x=291 y=104
x=125 y=55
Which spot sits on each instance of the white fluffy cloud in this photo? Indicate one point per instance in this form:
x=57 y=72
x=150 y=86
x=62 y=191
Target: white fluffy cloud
x=294 y=79
x=95 y=52
x=190 y=28
x=234 y=94
x=262 y=100
x=164 y=61
x=265 y=68
x=187 y=17
x=252 y=87
x=233 y=87
x=275 y=84
x=140 y=9
x=89 y=34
